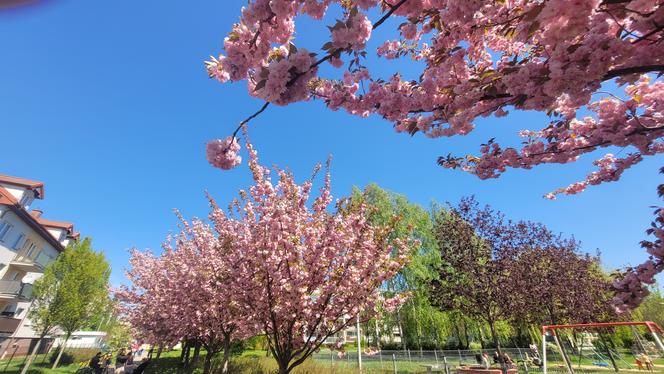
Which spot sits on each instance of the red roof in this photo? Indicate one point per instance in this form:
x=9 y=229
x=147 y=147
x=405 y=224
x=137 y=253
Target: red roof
x=36 y=186
x=57 y=224
x=8 y=199
x=34 y=220
x=60 y=225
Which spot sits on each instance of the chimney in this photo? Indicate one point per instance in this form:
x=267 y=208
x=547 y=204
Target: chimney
x=36 y=213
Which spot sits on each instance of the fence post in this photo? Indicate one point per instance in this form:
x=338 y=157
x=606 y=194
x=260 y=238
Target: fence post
x=447 y=368
x=544 y=352
x=460 y=358
x=409 y=359
x=394 y=363
x=435 y=354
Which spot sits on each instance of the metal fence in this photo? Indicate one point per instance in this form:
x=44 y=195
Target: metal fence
x=437 y=361
x=444 y=361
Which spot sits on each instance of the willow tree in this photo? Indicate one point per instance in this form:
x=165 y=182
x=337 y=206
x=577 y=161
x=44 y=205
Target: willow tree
x=417 y=318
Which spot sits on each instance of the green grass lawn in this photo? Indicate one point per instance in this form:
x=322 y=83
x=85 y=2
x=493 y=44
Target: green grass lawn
x=39 y=366
x=256 y=362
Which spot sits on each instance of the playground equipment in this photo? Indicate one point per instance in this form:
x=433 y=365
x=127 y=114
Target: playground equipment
x=653 y=328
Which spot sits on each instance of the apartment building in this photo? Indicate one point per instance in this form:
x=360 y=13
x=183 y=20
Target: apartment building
x=28 y=243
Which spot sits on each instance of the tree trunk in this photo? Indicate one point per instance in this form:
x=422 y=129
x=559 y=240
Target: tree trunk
x=207 y=363
x=184 y=355
x=32 y=355
x=62 y=349
x=197 y=351
x=283 y=367
x=161 y=347
x=227 y=355
x=481 y=336
x=466 y=334
x=494 y=336
x=403 y=338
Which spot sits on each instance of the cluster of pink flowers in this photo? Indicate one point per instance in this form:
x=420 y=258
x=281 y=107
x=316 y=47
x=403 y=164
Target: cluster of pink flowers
x=632 y=287
x=393 y=303
x=223 y=154
x=610 y=169
x=389 y=49
x=286 y=77
x=634 y=122
x=352 y=34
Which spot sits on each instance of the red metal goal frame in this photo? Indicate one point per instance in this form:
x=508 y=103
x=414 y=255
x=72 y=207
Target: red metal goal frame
x=652 y=327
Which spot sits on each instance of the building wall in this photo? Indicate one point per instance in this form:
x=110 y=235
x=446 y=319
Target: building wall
x=7 y=271
x=16 y=191
x=22 y=346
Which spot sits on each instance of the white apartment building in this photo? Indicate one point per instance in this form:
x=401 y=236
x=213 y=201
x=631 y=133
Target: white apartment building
x=28 y=243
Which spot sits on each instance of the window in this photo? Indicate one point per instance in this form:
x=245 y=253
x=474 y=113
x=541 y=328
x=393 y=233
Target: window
x=31 y=248
x=5 y=228
x=19 y=241
x=9 y=310
x=26 y=199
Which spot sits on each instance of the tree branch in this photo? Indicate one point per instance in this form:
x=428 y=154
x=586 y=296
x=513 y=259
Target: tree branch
x=633 y=70
x=320 y=61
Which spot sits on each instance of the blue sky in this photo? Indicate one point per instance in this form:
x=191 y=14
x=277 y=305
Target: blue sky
x=108 y=103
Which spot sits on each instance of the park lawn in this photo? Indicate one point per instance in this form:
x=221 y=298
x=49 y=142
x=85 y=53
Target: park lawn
x=256 y=362
x=38 y=367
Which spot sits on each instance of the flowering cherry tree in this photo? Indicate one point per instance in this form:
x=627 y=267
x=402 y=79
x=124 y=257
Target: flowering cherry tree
x=308 y=269
x=189 y=293
x=480 y=58
x=279 y=263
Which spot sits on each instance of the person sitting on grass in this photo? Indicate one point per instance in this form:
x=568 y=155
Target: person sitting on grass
x=141 y=368
x=639 y=361
x=509 y=363
x=486 y=364
x=95 y=363
x=648 y=362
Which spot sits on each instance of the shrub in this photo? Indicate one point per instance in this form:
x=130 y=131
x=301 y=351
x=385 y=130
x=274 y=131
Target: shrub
x=72 y=356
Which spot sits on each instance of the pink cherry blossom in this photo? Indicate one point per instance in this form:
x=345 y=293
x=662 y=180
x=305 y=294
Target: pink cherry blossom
x=223 y=154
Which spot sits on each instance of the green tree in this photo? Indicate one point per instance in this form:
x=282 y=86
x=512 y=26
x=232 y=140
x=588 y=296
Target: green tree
x=651 y=309
x=417 y=320
x=71 y=293
x=118 y=335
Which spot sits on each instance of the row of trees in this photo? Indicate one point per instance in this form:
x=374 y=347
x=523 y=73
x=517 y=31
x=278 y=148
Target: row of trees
x=478 y=274
x=299 y=270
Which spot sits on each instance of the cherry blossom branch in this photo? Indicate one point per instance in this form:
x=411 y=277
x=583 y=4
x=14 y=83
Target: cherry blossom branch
x=633 y=70
x=380 y=21
x=246 y=120
x=387 y=15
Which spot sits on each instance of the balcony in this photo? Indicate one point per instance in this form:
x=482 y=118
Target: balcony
x=33 y=265
x=9 y=324
x=15 y=289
